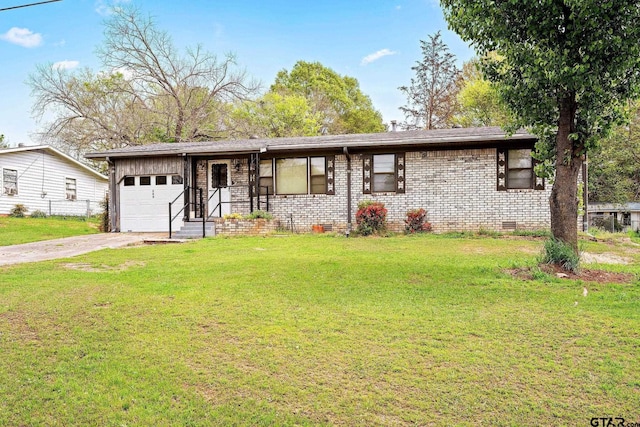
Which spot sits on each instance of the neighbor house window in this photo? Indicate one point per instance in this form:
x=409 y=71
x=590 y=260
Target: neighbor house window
x=70 y=188
x=519 y=169
x=265 y=183
x=10 y=181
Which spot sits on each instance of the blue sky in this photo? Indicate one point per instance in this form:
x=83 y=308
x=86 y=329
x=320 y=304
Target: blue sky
x=375 y=41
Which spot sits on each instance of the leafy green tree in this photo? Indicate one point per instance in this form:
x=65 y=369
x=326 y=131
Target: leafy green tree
x=478 y=99
x=614 y=166
x=3 y=144
x=564 y=69
x=337 y=99
x=275 y=115
x=149 y=90
x=431 y=97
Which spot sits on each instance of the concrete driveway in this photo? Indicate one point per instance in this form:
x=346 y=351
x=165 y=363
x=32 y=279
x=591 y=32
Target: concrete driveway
x=72 y=246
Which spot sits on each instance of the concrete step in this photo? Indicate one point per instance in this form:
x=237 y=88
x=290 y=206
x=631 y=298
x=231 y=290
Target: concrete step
x=193 y=230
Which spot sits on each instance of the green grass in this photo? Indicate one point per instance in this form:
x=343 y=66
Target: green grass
x=314 y=330
x=14 y=231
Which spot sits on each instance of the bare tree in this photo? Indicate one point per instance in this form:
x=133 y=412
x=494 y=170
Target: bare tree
x=431 y=97
x=150 y=90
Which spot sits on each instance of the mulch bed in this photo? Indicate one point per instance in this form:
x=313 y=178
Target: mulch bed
x=586 y=275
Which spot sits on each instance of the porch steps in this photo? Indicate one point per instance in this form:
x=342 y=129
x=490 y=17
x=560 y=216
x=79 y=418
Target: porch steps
x=193 y=230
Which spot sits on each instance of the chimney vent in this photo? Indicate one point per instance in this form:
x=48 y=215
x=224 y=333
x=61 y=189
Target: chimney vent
x=393 y=125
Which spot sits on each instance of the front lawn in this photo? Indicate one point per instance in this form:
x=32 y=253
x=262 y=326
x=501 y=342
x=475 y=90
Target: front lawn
x=316 y=330
x=14 y=231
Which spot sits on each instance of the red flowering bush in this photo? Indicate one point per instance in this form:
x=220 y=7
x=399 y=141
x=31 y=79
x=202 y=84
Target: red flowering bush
x=416 y=221
x=371 y=217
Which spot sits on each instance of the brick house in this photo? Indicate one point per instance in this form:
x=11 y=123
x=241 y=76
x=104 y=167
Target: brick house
x=466 y=179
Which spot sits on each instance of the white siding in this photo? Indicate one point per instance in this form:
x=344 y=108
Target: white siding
x=42 y=171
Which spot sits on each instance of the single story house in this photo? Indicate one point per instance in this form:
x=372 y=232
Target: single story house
x=466 y=179
x=623 y=216
x=45 y=179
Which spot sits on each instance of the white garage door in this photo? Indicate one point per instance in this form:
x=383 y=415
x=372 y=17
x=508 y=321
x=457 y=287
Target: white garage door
x=144 y=202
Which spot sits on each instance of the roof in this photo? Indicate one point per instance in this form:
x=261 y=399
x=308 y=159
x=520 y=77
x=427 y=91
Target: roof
x=55 y=152
x=438 y=138
x=614 y=207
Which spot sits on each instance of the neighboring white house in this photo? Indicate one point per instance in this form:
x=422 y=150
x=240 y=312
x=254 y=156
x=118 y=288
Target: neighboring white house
x=45 y=179
x=624 y=216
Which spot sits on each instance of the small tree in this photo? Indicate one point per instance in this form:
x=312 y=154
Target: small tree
x=431 y=97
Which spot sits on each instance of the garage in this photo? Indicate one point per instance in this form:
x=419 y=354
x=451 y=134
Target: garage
x=144 y=202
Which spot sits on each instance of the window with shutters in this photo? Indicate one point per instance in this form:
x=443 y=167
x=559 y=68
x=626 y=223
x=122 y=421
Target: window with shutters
x=516 y=170
x=383 y=173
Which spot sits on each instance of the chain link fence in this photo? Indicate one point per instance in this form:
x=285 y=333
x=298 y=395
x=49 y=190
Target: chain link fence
x=84 y=208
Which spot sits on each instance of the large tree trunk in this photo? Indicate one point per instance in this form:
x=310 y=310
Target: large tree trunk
x=564 y=195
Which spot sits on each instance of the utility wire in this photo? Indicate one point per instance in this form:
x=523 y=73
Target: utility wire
x=27 y=5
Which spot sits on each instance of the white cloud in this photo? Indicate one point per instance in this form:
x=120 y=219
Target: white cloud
x=65 y=65
x=377 y=55
x=104 y=7
x=398 y=7
x=22 y=37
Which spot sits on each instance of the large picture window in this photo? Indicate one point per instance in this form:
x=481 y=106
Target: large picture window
x=296 y=175
x=10 y=181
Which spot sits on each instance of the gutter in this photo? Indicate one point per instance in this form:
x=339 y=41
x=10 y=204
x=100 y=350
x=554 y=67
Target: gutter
x=345 y=150
x=113 y=196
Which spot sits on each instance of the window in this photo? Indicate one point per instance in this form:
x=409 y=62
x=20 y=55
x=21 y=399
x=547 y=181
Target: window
x=176 y=180
x=266 y=177
x=317 y=175
x=291 y=176
x=297 y=175
x=384 y=173
x=519 y=169
x=161 y=180
x=129 y=181
x=516 y=170
x=70 y=188
x=145 y=180
x=10 y=181
x=219 y=173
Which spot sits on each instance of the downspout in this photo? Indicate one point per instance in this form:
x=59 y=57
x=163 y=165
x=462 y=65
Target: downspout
x=113 y=196
x=345 y=150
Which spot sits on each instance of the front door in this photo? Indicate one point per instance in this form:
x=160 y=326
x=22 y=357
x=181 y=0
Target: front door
x=219 y=191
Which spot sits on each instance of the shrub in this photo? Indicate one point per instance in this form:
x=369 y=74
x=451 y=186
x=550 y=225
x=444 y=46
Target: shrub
x=415 y=221
x=610 y=224
x=105 y=225
x=371 y=218
x=559 y=253
x=232 y=216
x=38 y=214
x=18 y=211
x=259 y=214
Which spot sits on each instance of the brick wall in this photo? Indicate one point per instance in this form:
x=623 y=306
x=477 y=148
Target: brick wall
x=456 y=187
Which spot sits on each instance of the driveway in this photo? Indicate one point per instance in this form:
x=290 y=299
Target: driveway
x=72 y=246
